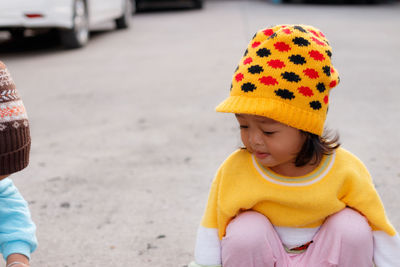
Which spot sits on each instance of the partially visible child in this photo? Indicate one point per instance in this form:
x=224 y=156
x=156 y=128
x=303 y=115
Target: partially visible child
x=292 y=196
x=17 y=231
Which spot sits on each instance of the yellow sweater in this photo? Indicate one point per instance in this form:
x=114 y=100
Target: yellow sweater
x=303 y=202
x=340 y=180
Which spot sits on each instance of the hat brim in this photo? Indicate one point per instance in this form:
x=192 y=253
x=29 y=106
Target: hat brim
x=276 y=110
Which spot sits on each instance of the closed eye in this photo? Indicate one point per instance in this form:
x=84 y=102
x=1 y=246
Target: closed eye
x=243 y=126
x=269 y=133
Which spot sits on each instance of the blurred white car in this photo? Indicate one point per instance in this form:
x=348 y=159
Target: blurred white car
x=72 y=18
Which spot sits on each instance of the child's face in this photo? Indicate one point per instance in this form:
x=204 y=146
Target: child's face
x=275 y=145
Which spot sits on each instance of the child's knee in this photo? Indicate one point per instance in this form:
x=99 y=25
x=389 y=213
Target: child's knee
x=247 y=241
x=351 y=226
x=245 y=232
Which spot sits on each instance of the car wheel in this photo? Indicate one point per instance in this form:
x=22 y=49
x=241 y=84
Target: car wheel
x=123 y=22
x=198 y=4
x=78 y=36
x=133 y=6
x=17 y=34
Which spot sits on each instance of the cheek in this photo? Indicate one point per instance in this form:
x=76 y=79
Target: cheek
x=277 y=147
x=245 y=138
x=285 y=146
x=296 y=144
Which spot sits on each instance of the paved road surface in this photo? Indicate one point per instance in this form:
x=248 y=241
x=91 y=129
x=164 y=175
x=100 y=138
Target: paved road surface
x=126 y=140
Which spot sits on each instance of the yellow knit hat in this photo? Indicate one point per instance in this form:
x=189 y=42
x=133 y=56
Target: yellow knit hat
x=285 y=74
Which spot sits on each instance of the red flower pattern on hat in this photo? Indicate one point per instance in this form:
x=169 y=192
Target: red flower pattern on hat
x=268 y=80
x=281 y=46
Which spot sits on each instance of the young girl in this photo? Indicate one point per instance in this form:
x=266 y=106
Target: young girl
x=17 y=231
x=291 y=196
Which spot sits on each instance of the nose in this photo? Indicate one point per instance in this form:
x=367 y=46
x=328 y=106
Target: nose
x=255 y=138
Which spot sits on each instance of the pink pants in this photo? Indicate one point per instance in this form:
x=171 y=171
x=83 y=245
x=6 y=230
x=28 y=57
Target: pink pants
x=344 y=240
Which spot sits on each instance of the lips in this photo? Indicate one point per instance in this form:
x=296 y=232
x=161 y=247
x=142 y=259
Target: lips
x=261 y=155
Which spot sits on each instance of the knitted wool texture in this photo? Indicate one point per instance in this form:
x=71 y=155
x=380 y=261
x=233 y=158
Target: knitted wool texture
x=285 y=74
x=15 y=138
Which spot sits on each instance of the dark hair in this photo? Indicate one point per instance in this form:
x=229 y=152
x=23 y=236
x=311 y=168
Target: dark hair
x=315 y=147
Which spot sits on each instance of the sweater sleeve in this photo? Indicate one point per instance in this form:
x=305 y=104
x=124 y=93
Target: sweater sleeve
x=360 y=194
x=17 y=230
x=208 y=246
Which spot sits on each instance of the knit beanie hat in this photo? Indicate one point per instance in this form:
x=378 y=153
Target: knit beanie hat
x=15 y=141
x=285 y=74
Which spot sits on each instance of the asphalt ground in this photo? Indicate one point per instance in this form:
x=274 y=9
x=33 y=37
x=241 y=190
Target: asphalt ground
x=126 y=140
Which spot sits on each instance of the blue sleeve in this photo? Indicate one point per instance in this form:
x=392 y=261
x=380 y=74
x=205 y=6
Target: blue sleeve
x=17 y=230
